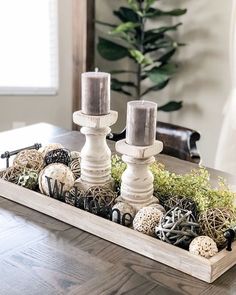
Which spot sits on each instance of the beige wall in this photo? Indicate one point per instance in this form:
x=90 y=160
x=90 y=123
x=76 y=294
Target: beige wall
x=53 y=109
x=204 y=81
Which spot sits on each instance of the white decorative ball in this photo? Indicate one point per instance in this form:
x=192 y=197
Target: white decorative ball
x=203 y=246
x=158 y=206
x=59 y=172
x=50 y=147
x=147 y=219
x=123 y=209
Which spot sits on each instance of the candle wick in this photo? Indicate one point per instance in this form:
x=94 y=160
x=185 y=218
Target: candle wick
x=96 y=70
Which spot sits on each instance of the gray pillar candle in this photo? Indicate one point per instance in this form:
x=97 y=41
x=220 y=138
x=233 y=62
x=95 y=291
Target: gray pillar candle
x=141 y=123
x=95 y=93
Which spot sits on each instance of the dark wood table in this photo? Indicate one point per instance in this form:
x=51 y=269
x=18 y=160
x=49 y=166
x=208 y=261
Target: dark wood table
x=41 y=255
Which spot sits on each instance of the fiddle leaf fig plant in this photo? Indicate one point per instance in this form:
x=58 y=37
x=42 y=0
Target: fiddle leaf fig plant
x=150 y=49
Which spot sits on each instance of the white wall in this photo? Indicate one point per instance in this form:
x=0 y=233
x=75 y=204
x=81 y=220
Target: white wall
x=53 y=109
x=204 y=80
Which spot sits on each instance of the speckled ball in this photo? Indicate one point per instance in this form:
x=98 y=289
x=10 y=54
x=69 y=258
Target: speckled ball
x=123 y=208
x=203 y=246
x=28 y=179
x=59 y=172
x=146 y=220
x=50 y=147
x=158 y=206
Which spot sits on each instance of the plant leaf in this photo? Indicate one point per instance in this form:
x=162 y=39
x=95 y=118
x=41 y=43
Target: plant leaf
x=110 y=50
x=156 y=87
x=171 y=106
x=117 y=85
x=139 y=57
x=166 y=55
x=148 y=3
x=105 y=24
x=133 y=4
x=161 y=74
x=153 y=35
x=164 y=42
x=126 y=14
x=125 y=27
x=154 y=12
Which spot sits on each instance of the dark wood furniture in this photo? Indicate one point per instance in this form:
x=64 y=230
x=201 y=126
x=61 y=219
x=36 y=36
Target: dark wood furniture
x=179 y=142
x=40 y=255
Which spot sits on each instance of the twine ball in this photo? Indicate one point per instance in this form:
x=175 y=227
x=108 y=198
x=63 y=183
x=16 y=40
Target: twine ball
x=214 y=222
x=101 y=195
x=177 y=227
x=73 y=196
x=183 y=203
x=28 y=179
x=146 y=220
x=75 y=167
x=50 y=147
x=13 y=173
x=203 y=246
x=123 y=208
x=58 y=156
x=74 y=155
x=59 y=172
x=31 y=159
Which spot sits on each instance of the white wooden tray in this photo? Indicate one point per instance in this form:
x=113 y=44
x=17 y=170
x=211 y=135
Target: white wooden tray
x=204 y=269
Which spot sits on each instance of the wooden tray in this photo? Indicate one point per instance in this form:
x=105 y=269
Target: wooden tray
x=204 y=269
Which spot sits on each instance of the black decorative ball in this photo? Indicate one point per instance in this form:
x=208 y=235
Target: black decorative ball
x=58 y=156
x=183 y=203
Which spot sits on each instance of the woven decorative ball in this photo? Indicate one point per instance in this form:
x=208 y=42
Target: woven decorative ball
x=183 y=203
x=73 y=196
x=50 y=147
x=203 y=246
x=75 y=167
x=102 y=195
x=31 y=159
x=158 y=206
x=177 y=227
x=214 y=222
x=124 y=208
x=59 y=172
x=58 y=156
x=74 y=155
x=13 y=173
x=28 y=179
x=147 y=219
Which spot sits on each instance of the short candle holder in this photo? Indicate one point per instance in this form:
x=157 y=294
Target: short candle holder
x=137 y=179
x=95 y=155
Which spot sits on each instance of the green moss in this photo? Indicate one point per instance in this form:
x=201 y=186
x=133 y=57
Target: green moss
x=195 y=185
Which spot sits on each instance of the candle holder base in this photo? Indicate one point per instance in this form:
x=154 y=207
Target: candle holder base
x=95 y=161
x=137 y=179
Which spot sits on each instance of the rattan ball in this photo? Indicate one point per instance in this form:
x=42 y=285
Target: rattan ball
x=74 y=155
x=31 y=159
x=146 y=220
x=177 y=227
x=12 y=173
x=75 y=167
x=28 y=179
x=58 y=156
x=183 y=203
x=124 y=208
x=59 y=172
x=50 y=147
x=73 y=196
x=214 y=222
x=203 y=246
x=102 y=195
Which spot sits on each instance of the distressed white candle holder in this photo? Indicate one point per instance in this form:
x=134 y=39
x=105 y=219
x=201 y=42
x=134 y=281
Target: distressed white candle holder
x=95 y=161
x=137 y=179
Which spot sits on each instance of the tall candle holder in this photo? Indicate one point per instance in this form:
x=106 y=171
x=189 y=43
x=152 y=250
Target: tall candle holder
x=137 y=179
x=95 y=154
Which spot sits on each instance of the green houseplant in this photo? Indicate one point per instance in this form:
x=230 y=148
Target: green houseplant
x=151 y=50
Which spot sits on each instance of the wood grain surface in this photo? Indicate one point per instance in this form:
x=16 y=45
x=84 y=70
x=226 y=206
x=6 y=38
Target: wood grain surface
x=40 y=255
